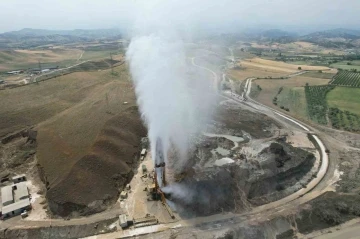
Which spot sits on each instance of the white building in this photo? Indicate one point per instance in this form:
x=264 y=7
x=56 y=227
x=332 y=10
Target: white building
x=15 y=199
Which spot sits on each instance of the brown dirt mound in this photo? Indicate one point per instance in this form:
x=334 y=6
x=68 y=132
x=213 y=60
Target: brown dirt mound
x=98 y=177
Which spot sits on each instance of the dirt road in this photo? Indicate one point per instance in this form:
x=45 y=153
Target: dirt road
x=223 y=220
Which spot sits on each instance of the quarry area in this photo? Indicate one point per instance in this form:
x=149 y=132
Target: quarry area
x=76 y=145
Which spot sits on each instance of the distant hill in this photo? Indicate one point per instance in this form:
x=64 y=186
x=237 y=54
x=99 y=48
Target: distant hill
x=28 y=37
x=276 y=33
x=339 y=37
x=96 y=33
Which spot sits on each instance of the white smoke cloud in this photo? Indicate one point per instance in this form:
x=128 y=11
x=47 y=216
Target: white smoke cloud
x=173 y=105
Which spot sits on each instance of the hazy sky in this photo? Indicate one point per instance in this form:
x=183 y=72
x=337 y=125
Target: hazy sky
x=70 y=14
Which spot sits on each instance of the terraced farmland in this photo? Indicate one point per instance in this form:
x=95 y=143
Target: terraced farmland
x=346 y=78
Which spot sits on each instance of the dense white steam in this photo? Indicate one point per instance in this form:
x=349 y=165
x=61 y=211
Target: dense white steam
x=173 y=104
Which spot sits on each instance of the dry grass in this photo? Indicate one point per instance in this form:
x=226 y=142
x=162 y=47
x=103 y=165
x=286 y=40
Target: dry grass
x=250 y=72
x=86 y=135
x=258 y=63
x=67 y=110
x=14 y=59
x=305 y=44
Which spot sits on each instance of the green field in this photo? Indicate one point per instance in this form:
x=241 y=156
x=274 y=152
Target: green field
x=345 y=98
x=344 y=108
x=347 y=78
x=343 y=65
x=294 y=100
x=316 y=74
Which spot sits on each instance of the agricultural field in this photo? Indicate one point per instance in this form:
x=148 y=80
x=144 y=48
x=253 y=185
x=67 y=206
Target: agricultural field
x=347 y=65
x=316 y=102
x=291 y=96
x=345 y=98
x=347 y=78
x=23 y=59
x=319 y=74
x=344 y=120
x=264 y=64
x=293 y=99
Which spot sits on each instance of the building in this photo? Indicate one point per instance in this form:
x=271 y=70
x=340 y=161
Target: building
x=15 y=198
x=14 y=72
x=19 y=178
x=16 y=208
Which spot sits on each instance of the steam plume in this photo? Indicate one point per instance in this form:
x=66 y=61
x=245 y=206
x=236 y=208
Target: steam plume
x=174 y=104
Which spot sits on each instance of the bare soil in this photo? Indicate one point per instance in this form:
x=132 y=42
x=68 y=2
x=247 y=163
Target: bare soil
x=87 y=136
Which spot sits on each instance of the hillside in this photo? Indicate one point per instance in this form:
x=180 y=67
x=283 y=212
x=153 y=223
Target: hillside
x=87 y=137
x=335 y=38
x=28 y=37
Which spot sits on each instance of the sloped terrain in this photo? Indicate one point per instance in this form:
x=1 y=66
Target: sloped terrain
x=87 y=137
x=97 y=178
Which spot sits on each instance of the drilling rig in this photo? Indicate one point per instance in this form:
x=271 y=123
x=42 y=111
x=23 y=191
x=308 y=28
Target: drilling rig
x=159 y=176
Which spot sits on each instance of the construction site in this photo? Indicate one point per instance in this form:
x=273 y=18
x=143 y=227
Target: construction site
x=243 y=159
x=231 y=168
x=115 y=149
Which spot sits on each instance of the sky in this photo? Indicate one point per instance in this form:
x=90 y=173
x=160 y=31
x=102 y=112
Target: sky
x=196 y=14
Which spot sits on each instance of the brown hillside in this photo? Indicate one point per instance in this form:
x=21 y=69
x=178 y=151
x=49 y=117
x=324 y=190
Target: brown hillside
x=98 y=176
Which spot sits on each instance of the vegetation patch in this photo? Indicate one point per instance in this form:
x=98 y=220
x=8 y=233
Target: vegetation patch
x=328 y=210
x=347 y=78
x=316 y=102
x=344 y=120
x=319 y=74
x=293 y=100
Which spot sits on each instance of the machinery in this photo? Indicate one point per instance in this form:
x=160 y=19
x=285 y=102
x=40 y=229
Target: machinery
x=159 y=177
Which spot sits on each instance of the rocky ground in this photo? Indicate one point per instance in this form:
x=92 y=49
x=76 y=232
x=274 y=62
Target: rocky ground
x=235 y=167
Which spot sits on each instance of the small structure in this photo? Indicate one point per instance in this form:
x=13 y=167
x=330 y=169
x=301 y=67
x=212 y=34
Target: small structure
x=128 y=187
x=19 y=178
x=15 y=197
x=144 y=169
x=123 y=221
x=14 y=72
x=24 y=214
x=123 y=195
x=143 y=153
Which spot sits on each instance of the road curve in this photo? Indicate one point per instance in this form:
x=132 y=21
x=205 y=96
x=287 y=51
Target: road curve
x=320 y=145
x=231 y=218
